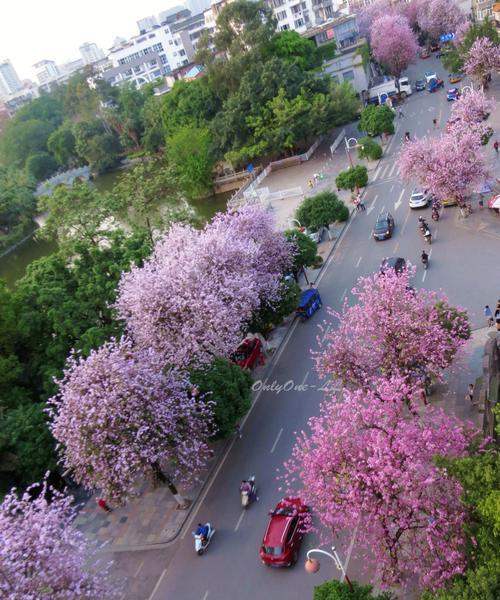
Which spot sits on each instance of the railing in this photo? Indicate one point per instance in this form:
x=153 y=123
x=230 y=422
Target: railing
x=337 y=141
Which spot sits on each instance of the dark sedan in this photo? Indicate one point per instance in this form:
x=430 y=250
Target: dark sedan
x=419 y=85
x=384 y=226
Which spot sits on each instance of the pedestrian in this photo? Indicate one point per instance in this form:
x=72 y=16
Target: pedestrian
x=488 y=316
x=237 y=431
x=356 y=203
x=434 y=123
x=362 y=205
x=101 y=503
x=481 y=201
x=495 y=145
x=310 y=183
x=470 y=393
x=400 y=113
x=497 y=317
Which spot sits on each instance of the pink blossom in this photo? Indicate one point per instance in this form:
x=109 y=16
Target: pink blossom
x=118 y=414
x=393 y=43
x=436 y=17
x=469 y=114
x=483 y=58
x=42 y=557
x=367 y=463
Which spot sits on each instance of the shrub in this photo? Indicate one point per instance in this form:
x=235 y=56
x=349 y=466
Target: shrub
x=321 y=210
x=354 y=177
x=369 y=149
x=334 y=590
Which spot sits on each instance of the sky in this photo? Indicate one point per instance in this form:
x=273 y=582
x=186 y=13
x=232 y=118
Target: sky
x=33 y=30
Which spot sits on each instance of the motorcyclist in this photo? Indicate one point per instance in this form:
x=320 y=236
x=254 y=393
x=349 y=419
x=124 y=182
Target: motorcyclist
x=424 y=258
x=246 y=486
x=428 y=235
x=202 y=531
x=407 y=136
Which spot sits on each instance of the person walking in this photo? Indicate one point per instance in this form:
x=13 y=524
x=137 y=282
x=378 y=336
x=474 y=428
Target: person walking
x=237 y=431
x=101 y=503
x=400 y=113
x=495 y=145
x=434 y=123
x=488 y=316
x=470 y=393
x=497 y=316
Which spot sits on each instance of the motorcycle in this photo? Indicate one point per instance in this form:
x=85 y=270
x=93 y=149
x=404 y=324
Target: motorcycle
x=428 y=236
x=201 y=542
x=435 y=215
x=248 y=495
x=425 y=261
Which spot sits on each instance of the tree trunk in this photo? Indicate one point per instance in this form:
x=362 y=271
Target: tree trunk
x=165 y=479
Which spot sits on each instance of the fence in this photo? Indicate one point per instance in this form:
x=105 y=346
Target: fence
x=337 y=142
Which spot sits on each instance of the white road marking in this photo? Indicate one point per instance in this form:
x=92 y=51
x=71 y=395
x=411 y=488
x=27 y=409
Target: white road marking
x=239 y=521
x=139 y=568
x=276 y=440
x=398 y=202
x=359 y=260
x=326 y=332
x=375 y=199
x=383 y=209
x=392 y=187
x=424 y=275
x=406 y=221
x=158 y=583
x=205 y=596
x=396 y=248
x=343 y=295
x=393 y=167
x=349 y=551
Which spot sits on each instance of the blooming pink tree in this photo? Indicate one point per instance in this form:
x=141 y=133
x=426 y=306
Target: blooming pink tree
x=193 y=298
x=436 y=17
x=119 y=416
x=447 y=166
x=392 y=330
x=483 y=57
x=469 y=113
x=366 y=14
x=42 y=556
x=393 y=43
x=367 y=463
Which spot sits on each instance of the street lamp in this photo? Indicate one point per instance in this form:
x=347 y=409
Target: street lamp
x=312 y=565
x=467 y=88
x=292 y=221
x=348 y=148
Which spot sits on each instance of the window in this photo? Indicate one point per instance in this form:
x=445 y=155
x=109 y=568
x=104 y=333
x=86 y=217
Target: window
x=299 y=23
x=277 y=3
x=163 y=59
x=148 y=50
x=182 y=53
x=128 y=72
x=348 y=75
x=158 y=47
x=329 y=11
x=281 y=15
x=140 y=40
x=152 y=63
x=284 y=27
x=151 y=35
x=291 y=529
x=157 y=73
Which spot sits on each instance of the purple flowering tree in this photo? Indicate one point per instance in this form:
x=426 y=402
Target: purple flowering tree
x=367 y=463
x=436 y=17
x=392 y=330
x=119 y=416
x=469 y=113
x=42 y=556
x=366 y=14
x=193 y=298
x=393 y=43
x=482 y=59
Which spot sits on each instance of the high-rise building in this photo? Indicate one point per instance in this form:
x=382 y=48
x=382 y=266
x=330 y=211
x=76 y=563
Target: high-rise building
x=9 y=81
x=91 y=53
x=197 y=6
x=46 y=70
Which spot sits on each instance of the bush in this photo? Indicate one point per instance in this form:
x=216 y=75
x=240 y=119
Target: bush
x=334 y=590
x=229 y=387
x=369 y=149
x=41 y=165
x=354 y=177
x=376 y=120
x=305 y=249
x=321 y=210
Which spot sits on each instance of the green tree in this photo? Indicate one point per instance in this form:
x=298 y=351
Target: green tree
x=20 y=139
x=369 y=148
x=75 y=213
x=103 y=153
x=455 y=57
x=321 y=210
x=83 y=132
x=272 y=314
x=479 y=475
x=61 y=144
x=17 y=205
x=81 y=103
x=376 y=120
x=46 y=108
x=292 y=48
x=41 y=165
x=189 y=153
x=335 y=590
x=126 y=117
x=229 y=387
x=154 y=136
x=305 y=249
x=353 y=178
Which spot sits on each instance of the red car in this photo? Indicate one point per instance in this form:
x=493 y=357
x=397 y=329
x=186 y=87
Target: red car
x=284 y=533
x=248 y=353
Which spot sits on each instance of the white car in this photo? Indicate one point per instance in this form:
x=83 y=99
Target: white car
x=430 y=75
x=419 y=199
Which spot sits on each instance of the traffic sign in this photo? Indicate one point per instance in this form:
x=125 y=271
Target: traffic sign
x=446 y=37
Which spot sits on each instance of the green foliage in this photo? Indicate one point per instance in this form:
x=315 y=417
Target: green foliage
x=61 y=144
x=376 y=120
x=80 y=102
x=326 y=51
x=354 y=177
x=334 y=590
x=272 y=314
x=17 y=205
x=229 y=387
x=154 y=137
x=45 y=108
x=451 y=316
x=364 y=52
x=189 y=153
x=305 y=249
x=455 y=58
x=20 y=139
x=369 y=149
x=41 y=165
x=479 y=475
x=321 y=210
x=103 y=153
x=292 y=48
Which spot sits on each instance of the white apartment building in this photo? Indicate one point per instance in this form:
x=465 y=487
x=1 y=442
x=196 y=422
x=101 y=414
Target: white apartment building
x=46 y=70
x=9 y=80
x=300 y=15
x=91 y=53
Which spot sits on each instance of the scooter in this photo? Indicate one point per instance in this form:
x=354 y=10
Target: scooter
x=425 y=262
x=201 y=542
x=428 y=236
x=435 y=215
x=248 y=496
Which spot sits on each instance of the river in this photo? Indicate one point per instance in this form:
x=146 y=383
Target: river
x=14 y=264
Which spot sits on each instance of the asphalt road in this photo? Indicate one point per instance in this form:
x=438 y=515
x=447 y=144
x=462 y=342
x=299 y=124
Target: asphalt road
x=463 y=263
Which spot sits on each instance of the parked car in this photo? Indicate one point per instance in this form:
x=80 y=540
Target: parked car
x=248 y=353
x=316 y=236
x=430 y=75
x=283 y=536
x=419 y=199
x=455 y=77
x=449 y=201
x=435 y=47
x=419 y=85
x=384 y=226
x=424 y=53
x=453 y=94
x=434 y=85
x=394 y=262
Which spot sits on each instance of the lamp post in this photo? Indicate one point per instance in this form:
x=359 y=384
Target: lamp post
x=467 y=88
x=348 y=148
x=312 y=565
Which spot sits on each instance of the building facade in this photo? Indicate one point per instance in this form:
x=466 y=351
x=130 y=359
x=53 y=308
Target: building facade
x=9 y=80
x=482 y=9
x=46 y=71
x=91 y=53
